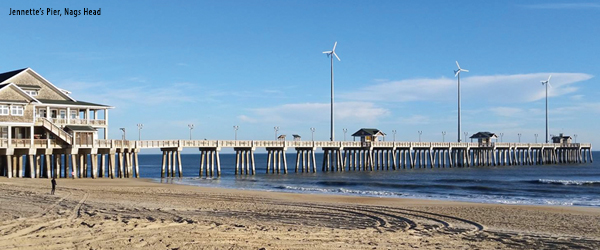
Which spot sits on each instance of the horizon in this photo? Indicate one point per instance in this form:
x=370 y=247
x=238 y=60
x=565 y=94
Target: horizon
x=259 y=64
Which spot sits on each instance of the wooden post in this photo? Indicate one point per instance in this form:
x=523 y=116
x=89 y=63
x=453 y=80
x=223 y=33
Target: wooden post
x=180 y=167
x=102 y=165
x=212 y=163
x=314 y=160
x=9 y=166
x=219 y=163
x=57 y=166
x=237 y=162
x=297 y=160
x=164 y=160
x=269 y=153
x=201 y=162
x=94 y=159
x=251 y=153
x=285 y=170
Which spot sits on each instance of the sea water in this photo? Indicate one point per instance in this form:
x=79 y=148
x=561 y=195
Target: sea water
x=561 y=184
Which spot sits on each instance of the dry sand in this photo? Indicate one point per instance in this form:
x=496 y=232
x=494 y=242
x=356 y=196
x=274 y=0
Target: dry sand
x=119 y=214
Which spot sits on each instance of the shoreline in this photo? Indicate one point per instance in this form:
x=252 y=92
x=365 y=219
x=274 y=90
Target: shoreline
x=142 y=213
x=351 y=194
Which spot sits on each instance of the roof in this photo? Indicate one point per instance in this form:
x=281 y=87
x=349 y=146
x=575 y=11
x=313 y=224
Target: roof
x=7 y=75
x=76 y=103
x=25 y=86
x=19 y=90
x=296 y=136
x=483 y=135
x=4 y=77
x=80 y=128
x=562 y=136
x=368 y=132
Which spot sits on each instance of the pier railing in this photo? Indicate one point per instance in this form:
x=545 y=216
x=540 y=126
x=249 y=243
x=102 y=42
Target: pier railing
x=101 y=143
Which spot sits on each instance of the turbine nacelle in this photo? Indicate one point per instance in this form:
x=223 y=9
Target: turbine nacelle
x=547 y=81
x=456 y=72
x=332 y=52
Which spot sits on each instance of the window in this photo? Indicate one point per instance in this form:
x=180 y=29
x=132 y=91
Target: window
x=41 y=112
x=73 y=114
x=16 y=110
x=63 y=114
x=4 y=132
x=31 y=92
x=3 y=109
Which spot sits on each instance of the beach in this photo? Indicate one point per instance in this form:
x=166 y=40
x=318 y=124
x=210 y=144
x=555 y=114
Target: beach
x=139 y=213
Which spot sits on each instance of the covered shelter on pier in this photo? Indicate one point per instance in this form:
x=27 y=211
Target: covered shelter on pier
x=484 y=137
x=368 y=134
x=561 y=138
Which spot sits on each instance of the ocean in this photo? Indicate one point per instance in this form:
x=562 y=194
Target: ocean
x=565 y=185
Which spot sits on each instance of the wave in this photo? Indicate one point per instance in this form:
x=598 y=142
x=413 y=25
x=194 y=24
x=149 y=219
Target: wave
x=415 y=186
x=567 y=182
x=339 y=191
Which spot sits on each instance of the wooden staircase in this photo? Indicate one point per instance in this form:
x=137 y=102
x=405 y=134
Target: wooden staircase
x=57 y=131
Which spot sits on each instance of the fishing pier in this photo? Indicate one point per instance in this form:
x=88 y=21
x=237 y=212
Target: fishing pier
x=46 y=133
x=47 y=158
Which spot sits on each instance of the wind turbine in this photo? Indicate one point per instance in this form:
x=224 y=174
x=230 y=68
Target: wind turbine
x=547 y=82
x=331 y=54
x=457 y=74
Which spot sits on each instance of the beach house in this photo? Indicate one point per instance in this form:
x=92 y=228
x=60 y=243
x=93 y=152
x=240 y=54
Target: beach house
x=31 y=108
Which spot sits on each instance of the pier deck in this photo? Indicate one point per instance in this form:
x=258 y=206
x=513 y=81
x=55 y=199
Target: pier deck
x=48 y=158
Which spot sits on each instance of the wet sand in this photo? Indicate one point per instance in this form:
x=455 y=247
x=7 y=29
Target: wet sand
x=118 y=214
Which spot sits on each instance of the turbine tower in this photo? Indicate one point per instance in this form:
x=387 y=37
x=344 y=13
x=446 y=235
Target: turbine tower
x=331 y=54
x=547 y=82
x=457 y=74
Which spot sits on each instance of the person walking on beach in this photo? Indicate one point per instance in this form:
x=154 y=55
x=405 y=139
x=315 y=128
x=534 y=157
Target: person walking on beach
x=53 y=186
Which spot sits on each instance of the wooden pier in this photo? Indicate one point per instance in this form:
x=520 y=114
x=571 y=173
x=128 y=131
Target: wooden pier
x=47 y=158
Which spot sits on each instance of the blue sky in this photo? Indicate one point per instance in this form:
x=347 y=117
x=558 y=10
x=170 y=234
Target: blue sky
x=259 y=64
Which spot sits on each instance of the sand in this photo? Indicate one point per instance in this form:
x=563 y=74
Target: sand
x=121 y=214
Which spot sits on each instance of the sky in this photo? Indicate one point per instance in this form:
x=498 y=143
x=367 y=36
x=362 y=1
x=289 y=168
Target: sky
x=259 y=64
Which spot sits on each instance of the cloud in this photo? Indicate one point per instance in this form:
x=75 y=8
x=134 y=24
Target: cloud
x=516 y=88
x=561 y=6
x=316 y=112
x=506 y=111
x=415 y=120
x=245 y=118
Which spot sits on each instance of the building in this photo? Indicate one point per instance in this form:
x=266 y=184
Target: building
x=561 y=138
x=484 y=137
x=31 y=107
x=368 y=134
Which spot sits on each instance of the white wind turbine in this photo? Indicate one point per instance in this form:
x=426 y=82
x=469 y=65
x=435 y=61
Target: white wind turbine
x=547 y=82
x=457 y=74
x=331 y=54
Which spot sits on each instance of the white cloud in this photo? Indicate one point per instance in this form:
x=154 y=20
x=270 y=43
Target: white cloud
x=497 y=88
x=506 y=111
x=316 y=112
x=415 y=120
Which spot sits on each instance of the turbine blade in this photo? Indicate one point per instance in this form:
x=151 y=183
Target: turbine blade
x=327 y=52
x=456 y=73
x=465 y=70
x=335 y=44
x=336 y=56
x=548 y=82
x=457 y=65
x=549 y=77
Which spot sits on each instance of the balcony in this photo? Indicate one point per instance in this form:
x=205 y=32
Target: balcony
x=62 y=121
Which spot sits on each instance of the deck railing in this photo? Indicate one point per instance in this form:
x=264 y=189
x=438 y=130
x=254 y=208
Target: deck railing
x=102 y=143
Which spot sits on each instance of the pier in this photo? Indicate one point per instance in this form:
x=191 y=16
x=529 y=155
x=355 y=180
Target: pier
x=46 y=133
x=49 y=158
